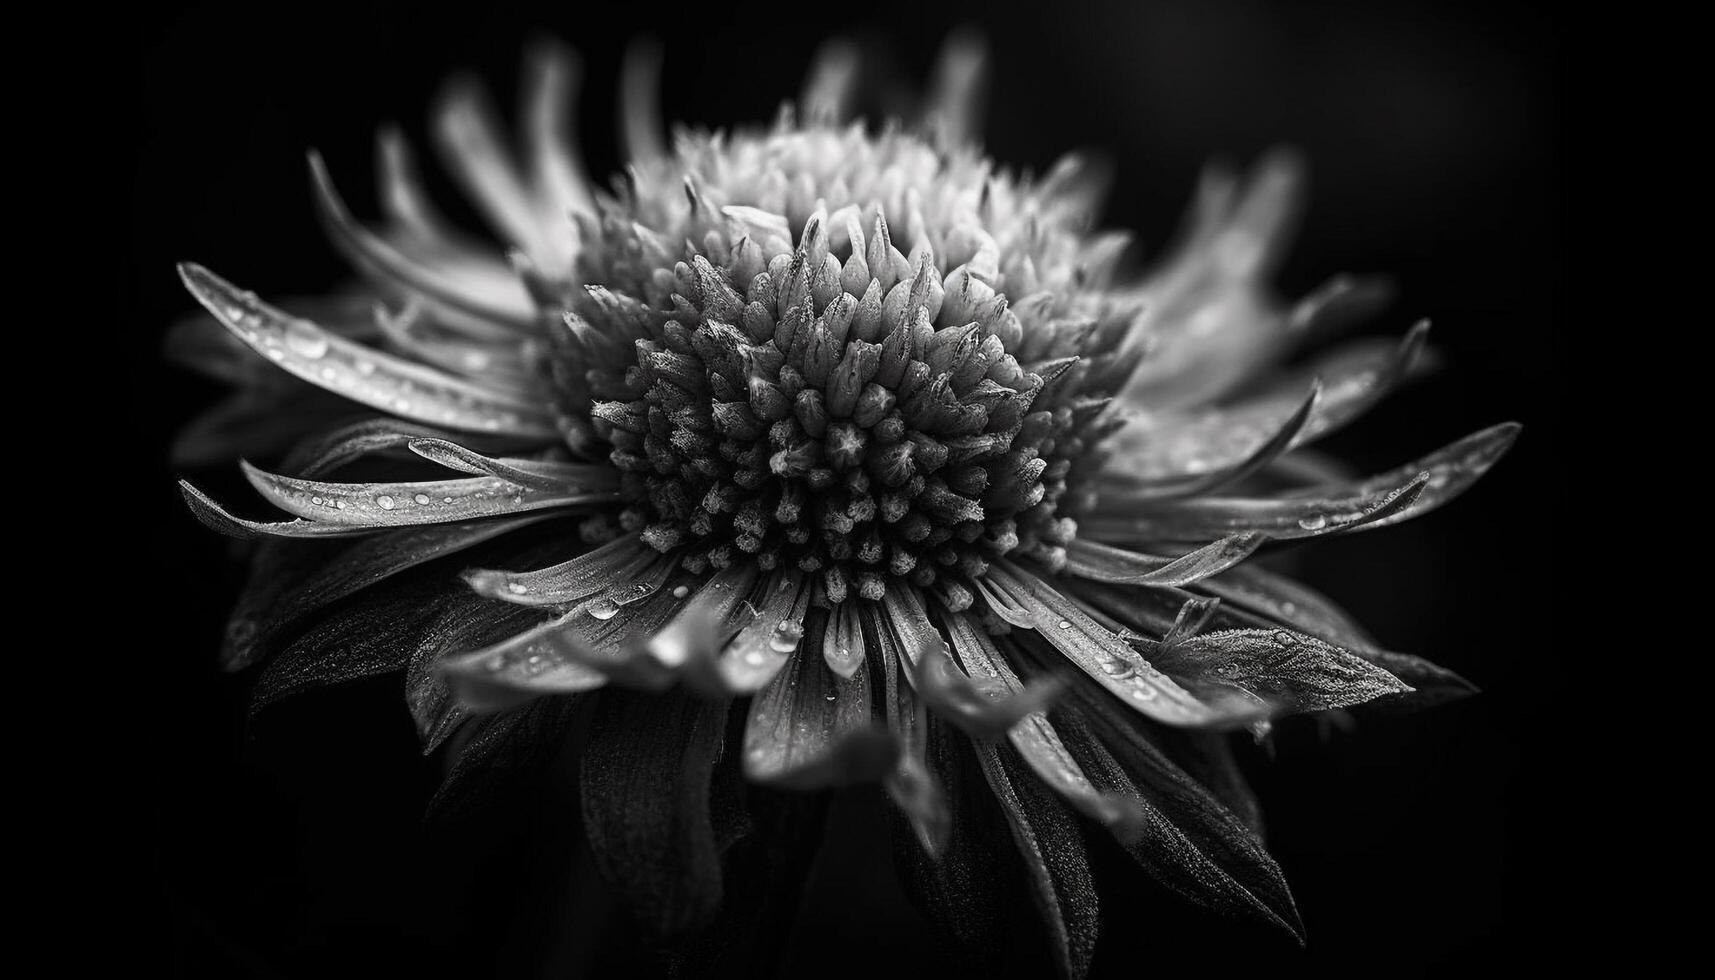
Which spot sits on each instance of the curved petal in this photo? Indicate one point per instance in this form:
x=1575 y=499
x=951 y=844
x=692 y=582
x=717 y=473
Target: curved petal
x=367 y=376
x=645 y=779
x=371 y=560
x=811 y=728
x=367 y=505
x=1105 y=563
x=1103 y=655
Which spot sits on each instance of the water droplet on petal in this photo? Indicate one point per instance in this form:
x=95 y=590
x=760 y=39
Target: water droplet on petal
x=385 y=501
x=1315 y=522
x=785 y=637
x=603 y=608
x=305 y=340
x=681 y=591
x=421 y=498
x=517 y=588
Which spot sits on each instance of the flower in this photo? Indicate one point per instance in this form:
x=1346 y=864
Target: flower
x=844 y=446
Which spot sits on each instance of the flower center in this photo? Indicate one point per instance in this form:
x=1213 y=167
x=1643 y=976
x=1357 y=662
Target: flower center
x=859 y=416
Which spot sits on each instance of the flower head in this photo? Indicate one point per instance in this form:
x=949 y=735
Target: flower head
x=851 y=435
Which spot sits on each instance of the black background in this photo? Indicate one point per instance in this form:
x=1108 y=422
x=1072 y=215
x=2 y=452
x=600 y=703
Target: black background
x=293 y=846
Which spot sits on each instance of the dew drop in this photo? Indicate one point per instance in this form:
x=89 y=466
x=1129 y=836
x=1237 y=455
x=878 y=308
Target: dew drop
x=785 y=637
x=305 y=340
x=421 y=498
x=1315 y=522
x=681 y=591
x=365 y=368
x=603 y=608
x=385 y=501
x=517 y=588
x=1065 y=625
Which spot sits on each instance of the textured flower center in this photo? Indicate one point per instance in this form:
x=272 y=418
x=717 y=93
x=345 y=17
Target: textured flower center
x=835 y=405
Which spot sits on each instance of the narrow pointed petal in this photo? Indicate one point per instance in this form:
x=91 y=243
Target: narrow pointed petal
x=982 y=708
x=828 y=87
x=640 y=103
x=372 y=559
x=1191 y=843
x=912 y=785
x=536 y=474
x=1240 y=437
x=1054 y=858
x=1281 y=667
x=810 y=728
x=763 y=647
x=1451 y=471
x=1219 y=472
x=1337 y=510
x=356 y=372
x=480 y=296
x=216 y=518
x=1281 y=600
x=401 y=504
x=555 y=76
x=1106 y=563
x=351 y=442
x=956 y=93
x=1039 y=745
x=645 y=782
x=625 y=561
x=476 y=153
x=1103 y=655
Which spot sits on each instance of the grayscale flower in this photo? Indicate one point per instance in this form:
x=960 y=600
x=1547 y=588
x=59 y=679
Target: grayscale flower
x=842 y=445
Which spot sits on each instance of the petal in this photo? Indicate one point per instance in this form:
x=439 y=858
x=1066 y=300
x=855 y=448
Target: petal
x=1280 y=666
x=810 y=728
x=754 y=656
x=1451 y=471
x=982 y=708
x=218 y=519
x=367 y=505
x=537 y=474
x=832 y=79
x=1141 y=449
x=550 y=136
x=912 y=785
x=1054 y=858
x=1105 y=563
x=539 y=661
x=1191 y=844
x=502 y=749
x=1336 y=510
x=640 y=103
x=359 y=373
x=623 y=562
x=1104 y=655
x=468 y=290
x=1039 y=745
x=645 y=779
x=956 y=93
x=277 y=601
x=1226 y=443
x=475 y=151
